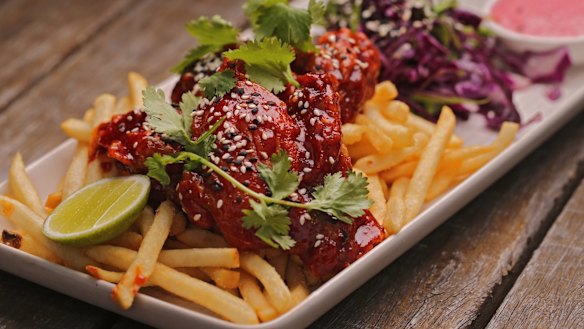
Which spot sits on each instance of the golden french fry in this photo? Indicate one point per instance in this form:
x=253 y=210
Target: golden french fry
x=89 y=115
x=441 y=182
x=504 y=139
x=179 y=224
x=361 y=149
x=215 y=299
x=399 y=134
x=128 y=239
x=352 y=133
x=428 y=164
x=270 y=279
x=22 y=241
x=396 y=111
x=385 y=92
x=396 y=208
x=195 y=273
x=223 y=278
x=420 y=124
x=376 y=136
x=123 y=106
x=372 y=164
x=137 y=84
x=143 y=265
x=99 y=168
x=105 y=275
x=144 y=221
x=22 y=187
x=75 y=175
x=77 y=129
x=297 y=283
x=104 y=109
x=24 y=218
x=174 y=244
x=378 y=208
x=198 y=238
x=200 y=257
x=252 y=294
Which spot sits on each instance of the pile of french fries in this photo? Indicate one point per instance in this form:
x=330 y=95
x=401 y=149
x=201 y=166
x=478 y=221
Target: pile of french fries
x=408 y=161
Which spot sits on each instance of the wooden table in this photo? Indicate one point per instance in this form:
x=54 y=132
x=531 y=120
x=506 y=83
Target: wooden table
x=514 y=257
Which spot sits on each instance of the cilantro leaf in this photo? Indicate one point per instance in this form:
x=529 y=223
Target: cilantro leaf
x=290 y=25
x=252 y=8
x=189 y=102
x=218 y=84
x=272 y=222
x=163 y=118
x=202 y=145
x=281 y=181
x=273 y=71
x=156 y=165
x=194 y=55
x=317 y=11
x=342 y=197
x=214 y=31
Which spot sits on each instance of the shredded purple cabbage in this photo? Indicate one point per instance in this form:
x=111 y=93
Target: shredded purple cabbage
x=439 y=55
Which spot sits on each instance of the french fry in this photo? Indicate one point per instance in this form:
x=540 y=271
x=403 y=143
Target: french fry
x=54 y=199
x=105 y=275
x=144 y=221
x=136 y=84
x=297 y=283
x=89 y=115
x=376 y=136
x=504 y=139
x=378 y=209
x=143 y=265
x=200 y=257
x=77 y=129
x=252 y=294
x=428 y=164
x=223 y=278
x=213 y=298
x=128 y=239
x=198 y=238
x=396 y=111
x=361 y=149
x=24 y=218
x=123 y=105
x=385 y=92
x=427 y=127
x=99 y=168
x=22 y=241
x=396 y=208
x=22 y=187
x=270 y=279
x=179 y=224
x=104 y=109
x=399 y=134
x=441 y=182
x=76 y=172
x=174 y=244
x=352 y=133
x=372 y=164
x=195 y=273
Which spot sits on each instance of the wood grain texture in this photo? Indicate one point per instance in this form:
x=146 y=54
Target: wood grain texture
x=25 y=306
x=36 y=36
x=549 y=293
x=459 y=274
x=149 y=38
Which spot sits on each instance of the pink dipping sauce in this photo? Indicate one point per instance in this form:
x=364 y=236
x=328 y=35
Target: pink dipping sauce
x=546 y=18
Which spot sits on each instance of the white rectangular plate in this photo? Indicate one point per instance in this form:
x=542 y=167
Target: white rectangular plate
x=47 y=171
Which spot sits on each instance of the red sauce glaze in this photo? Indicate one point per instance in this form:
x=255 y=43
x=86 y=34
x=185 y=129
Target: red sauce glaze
x=352 y=59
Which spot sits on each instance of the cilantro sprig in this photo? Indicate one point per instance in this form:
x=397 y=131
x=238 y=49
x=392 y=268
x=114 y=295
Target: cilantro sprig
x=213 y=34
x=218 y=84
x=267 y=62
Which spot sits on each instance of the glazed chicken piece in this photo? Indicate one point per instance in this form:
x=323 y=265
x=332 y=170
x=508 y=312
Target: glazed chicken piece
x=352 y=59
x=202 y=68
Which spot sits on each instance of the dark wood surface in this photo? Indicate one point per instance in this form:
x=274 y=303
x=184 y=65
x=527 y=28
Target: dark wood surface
x=486 y=266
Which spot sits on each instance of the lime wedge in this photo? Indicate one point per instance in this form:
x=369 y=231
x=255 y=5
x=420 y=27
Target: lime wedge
x=99 y=211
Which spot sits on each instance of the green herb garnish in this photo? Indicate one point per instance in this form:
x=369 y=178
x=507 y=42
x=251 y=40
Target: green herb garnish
x=218 y=84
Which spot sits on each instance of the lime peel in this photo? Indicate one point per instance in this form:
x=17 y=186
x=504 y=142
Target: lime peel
x=98 y=212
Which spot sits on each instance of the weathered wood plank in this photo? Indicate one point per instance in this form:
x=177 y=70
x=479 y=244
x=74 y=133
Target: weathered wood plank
x=36 y=36
x=149 y=39
x=549 y=293
x=458 y=275
x=24 y=306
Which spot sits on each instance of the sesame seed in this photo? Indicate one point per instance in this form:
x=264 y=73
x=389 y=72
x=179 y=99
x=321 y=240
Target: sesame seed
x=197 y=217
x=302 y=191
x=317 y=243
x=247 y=164
x=264 y=136
x=301 y=219
x=135 y=145
x=264 y=155
x=319 y=236
x=233 y=168
x=306 y=105
x=317 y=112
x=243 y=169
x=300 y=104
x=244 y=97
x=180 y=197
x=307 y=155
x=331 y=160
x=225 y=156
x=307 y=170
x=303 y=111
x=248 y=83
x=231 y=148
x=129 y=118
x=312 y=121
x=219 y=203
